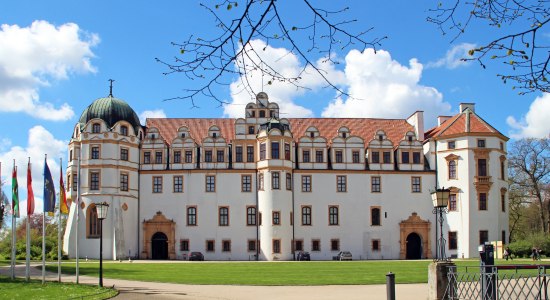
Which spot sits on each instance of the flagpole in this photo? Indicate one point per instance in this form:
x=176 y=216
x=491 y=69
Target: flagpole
x=28 y=262
x=59 y=224
x=44 y=229
x=77 y=207
x=13 y=216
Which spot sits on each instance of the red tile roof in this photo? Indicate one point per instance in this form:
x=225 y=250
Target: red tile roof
x=328 y=127
x=457 y=125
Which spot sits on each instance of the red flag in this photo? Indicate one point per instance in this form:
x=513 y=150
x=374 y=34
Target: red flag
x=63 y=207
x=30 y=193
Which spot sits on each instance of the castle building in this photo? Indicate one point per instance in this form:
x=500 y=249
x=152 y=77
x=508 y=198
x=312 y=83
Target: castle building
x=264 y=187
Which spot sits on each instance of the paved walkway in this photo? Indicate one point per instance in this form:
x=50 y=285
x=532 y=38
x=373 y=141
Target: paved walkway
x=154 y=290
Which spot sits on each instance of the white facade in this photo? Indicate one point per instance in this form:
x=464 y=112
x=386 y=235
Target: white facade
x=237 y=189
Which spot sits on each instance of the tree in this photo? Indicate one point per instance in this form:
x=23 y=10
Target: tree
x=529 y=168
x=517 y=27
x=3 y=208
x=232 y=52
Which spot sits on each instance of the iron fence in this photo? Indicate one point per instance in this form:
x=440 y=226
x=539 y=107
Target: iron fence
x=510 y=282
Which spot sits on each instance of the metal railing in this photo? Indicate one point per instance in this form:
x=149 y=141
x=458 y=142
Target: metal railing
x=510 y=282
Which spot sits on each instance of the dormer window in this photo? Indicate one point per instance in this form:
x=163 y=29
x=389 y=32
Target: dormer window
x=262 y=113
x=380 y=137
x=124 y=130
x=312 y=134
x=96 y=128
x=214 y=134
x=183 y=135
x=344 y=135
x=481 y=143
x=410 y=138
x=253 y=114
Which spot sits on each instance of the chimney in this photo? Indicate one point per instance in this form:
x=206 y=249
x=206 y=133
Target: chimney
x=442 y=119
x=471 y=106
x=417 y=120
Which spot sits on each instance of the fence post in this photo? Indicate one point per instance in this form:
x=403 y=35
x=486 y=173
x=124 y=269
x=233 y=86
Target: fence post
x=390 y=286
x=438 y=279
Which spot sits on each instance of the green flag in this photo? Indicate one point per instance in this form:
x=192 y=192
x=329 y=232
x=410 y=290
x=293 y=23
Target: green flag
x=14 y=194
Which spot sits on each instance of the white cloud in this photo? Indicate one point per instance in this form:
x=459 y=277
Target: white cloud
x=32 y=56
x=40 y=142
x=383 y=88
x=452 y=58
x=157 y=113
x=535 y=123
x=284 y=93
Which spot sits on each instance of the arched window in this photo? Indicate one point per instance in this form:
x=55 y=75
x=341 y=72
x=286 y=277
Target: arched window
x=93 y=223
x=333 y=215
x=96 y=128
x=452 y=169
x=375 y=216
x=124 y=130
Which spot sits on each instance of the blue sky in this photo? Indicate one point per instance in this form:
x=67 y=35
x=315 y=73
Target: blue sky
x=56 y=58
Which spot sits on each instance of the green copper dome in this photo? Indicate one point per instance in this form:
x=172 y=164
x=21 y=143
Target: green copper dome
x=110 y=110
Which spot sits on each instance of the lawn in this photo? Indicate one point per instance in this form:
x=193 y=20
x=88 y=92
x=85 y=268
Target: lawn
x=266 y=273
x=19 y=289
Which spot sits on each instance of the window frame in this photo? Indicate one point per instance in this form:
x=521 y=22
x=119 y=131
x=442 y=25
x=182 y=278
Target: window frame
x=306 y=156
x=275 y=180
x=158 y=157
x=355 y=157
x=275 y=150
x=251 y=216
x=276 y=218
x=157 y=185
x=405 y=159
x=239 y=154
x=188 y=156
x=335 y=245
x=333 y=215
x=124 y=154
x=177 y=187
x=246 y=183
x=177 y=156
x=288 y=181
x=276 y=243
x=319 y=156
x=306 y=183
x=482 y=201
x=210 y=183
x=124 y=182
x=452 y=168
x=452 y=237
x=95 y=152
x=208 y=156
x=453 y=202
x=192 y=215
x=339 y=156
x=375 y=216
x=95 y=180
x=147 y=157
x=96 y=128
x=249 y=153
x=306 y=213
x=341 y=183
x=226 y=245
x=416 y=184
x=376 y=184
x=263 y=150
x=220 y=155
x=223 y=216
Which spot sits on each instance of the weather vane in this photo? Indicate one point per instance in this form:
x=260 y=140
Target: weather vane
x=111 y=87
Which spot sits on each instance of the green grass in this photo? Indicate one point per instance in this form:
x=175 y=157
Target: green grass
x=267 y=273
x=19 y=289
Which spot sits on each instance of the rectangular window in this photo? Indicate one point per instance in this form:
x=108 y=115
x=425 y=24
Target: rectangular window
x=305 y=156
x=375 y=216
x=146 y=157
x=210 y=246
x=416 y=157
x=339 y=156
x=319 y=156
x=503 y=236
x=251 y=246
x=246 y=183
x=335 y=245
x=482 y=201
x=223 y=218
x=483 y=236
x=219 y=155
x=157 y=184
x=503 y=203
x=95 y=152
x=341 y=183
x=306 y=215
x=387 y=157
x=502 y=170
x=177 y=157
x=453 y=243
x=178 y=184
x=276 y=246
x=287 y=151
x=251 y=129
x=261 y=181
x=158 y=157
x=482 y=167
x=375 y=185
x=376 y=157
x=416 y=184
x=226 y=246
x=275 y=150
x=191 y=216
x=452 y=169
x=375 y=245
x=188 y=156
x=124 y=154
x=250 y=153
x=405 y=157
x=288 y=181
x=210 y=183
x=306 y=183
x=275 y=180
x=299 y=245
x=262 y=151
x=481 y=143
x=333 y=215
x=124 y=182
x=75 y=181
x=276 y=218
x=184 y=245
x=94 y=181
x=315 y=245
x=251 y=215
x=452 y=202
x=451 y=145
x=208 y=155
x=239 y=154
x=355 y=157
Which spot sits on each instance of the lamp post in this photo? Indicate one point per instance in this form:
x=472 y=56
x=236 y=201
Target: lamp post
x=101 y=209
x=440 y=198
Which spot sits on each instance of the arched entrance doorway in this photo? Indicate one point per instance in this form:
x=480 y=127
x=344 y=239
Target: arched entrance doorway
x=159 y=245
x=421 y=229
x=414 y=246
